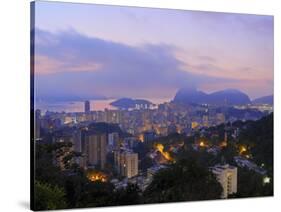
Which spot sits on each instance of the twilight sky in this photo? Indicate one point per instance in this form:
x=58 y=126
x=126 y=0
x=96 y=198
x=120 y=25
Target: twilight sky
x=84 y=50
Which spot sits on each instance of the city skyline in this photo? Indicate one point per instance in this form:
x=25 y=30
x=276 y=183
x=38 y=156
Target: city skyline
x=139 y=105
x=102 y=51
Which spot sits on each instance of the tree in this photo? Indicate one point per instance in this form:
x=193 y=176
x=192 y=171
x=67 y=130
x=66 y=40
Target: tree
x=228 y=153
x=185 y=180
x=146 y=163
x=202 y=157
x=97 y=194
x=250 y=184
x=128 y=196
x=48 y=197
x=74 y=185
x=259 y=135
x=45 y=171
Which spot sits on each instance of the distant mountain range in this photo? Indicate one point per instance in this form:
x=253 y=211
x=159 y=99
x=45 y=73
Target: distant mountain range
x=228 y=96
x=264 y=100
x=184 y=95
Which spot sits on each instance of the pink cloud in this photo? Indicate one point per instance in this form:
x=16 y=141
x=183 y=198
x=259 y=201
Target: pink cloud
x=47 y=65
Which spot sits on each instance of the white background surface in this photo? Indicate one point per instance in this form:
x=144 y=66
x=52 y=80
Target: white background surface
x=14 y=113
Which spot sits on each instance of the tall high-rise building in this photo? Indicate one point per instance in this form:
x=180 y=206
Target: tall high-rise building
x=96 y=149
x=114 y=141
x=87 y=106
x=77 y=147
x=227 y=177
x=126 y=163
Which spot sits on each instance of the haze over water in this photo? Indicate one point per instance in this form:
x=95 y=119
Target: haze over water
x=78 y=106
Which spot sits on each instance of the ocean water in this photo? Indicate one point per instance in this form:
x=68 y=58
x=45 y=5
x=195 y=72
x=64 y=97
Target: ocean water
x=78 y=106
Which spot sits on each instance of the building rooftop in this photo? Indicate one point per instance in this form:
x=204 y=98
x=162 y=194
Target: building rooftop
x=220 y=167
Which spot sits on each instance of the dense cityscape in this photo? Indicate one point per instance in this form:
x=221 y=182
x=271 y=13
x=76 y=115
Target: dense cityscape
x=130 y=147
x=134 y=105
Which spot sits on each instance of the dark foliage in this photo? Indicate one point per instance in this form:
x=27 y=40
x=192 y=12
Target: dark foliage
x=251 y=184
x=259 y=136
x=49 y=197
x=183 y=181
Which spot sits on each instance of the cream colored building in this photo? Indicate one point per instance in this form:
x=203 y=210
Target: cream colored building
x=96 y=149
x=227 y=177
x=126 y=163
x=220 y=118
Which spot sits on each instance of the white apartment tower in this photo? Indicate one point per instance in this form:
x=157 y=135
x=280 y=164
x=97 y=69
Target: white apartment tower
x=227 y=177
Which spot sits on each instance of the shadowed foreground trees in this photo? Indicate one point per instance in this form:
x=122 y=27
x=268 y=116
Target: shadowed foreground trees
x=58 y=189
x=251 y=184
x=48 y=197
x=189 y=179
x=183 y=181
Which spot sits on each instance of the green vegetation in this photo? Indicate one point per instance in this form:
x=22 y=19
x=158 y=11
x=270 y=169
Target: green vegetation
x=49 y=197
x=183 y=181
x=188 y=179
x=251 y=184
x=258 y=136
x=128 y=196
x=72 y=187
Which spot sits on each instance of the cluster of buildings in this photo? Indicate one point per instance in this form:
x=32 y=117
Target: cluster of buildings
x=165 y=119
x=266 y=108
x=142 y=124
x=142 y=180
x=94 y=148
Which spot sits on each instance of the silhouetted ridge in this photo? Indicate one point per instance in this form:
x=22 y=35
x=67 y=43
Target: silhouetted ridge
x=264 y=100
x=228 y=96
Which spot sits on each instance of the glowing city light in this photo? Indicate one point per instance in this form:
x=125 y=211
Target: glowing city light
x=166 y=155
x=97 y=176
x=223 y=144
x=141 y=137
x=266 y=180
x=242 y=149
x=202 y=144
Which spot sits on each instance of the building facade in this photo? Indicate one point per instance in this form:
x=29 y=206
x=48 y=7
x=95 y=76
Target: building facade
x=114 y=141
x=126 y=163
x=227 y=177
x=87 y=106
x=96 y=149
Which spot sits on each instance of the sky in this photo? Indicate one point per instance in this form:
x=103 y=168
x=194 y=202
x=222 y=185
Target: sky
x=97 y=51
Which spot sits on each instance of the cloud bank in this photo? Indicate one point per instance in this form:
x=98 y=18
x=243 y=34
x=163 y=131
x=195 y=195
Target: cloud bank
x=69 y=65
